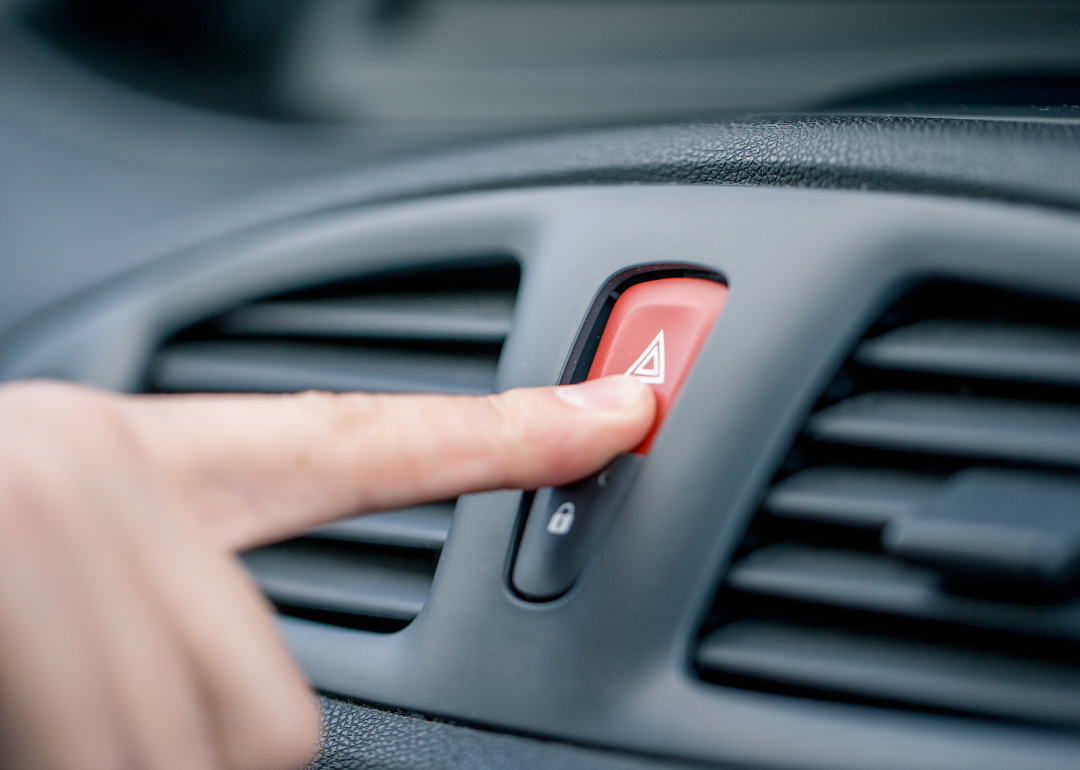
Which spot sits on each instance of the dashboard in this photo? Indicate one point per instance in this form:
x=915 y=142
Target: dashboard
x=854 y=541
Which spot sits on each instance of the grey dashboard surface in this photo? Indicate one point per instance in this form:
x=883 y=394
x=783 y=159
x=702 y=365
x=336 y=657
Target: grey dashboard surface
x=609 y=663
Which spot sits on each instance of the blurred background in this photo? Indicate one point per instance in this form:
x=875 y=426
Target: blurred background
x=453 y=67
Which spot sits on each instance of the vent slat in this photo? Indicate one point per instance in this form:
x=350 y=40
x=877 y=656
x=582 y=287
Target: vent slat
x=281 y=367
x=1012 y=352
x=465 y=318
x=422 y=527
x=896 y=669
x=337 y=579
x=976 y=428
x=879 y=584
x=835 y=578
x=851 y=496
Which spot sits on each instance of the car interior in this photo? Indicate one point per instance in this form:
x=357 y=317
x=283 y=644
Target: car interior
x=854 y=540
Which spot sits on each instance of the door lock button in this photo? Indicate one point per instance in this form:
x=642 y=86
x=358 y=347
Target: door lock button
x=564 y=526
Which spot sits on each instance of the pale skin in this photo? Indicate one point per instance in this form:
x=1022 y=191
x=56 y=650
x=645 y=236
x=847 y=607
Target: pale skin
x=131 y=637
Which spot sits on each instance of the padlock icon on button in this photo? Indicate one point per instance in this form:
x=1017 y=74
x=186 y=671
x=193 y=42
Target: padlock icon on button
x=561 y=521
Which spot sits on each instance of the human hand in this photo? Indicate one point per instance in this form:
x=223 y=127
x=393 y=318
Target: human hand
x=131 y=637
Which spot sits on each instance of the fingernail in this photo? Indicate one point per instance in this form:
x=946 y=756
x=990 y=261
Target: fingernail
x=616 y=392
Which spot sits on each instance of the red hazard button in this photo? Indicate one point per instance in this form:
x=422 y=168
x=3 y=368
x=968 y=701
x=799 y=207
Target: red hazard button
x=655 y=332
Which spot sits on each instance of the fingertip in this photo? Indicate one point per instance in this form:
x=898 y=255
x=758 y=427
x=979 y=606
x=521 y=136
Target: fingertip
x=616 y=392
x=625 y=405
x=607 y=416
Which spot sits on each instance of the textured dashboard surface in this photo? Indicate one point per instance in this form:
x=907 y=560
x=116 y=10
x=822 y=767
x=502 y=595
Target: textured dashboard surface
x=98 y=180
x=360 y=738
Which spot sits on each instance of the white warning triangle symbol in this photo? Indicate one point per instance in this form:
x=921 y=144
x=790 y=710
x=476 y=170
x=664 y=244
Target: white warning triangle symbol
x=650 y=364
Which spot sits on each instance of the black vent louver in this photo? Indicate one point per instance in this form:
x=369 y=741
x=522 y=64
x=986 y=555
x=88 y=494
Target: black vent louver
x=920 y=546
x=437 y=329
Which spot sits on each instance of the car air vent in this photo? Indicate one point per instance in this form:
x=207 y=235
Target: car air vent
x=920 y=545
x=435 y=329
x=429 y=331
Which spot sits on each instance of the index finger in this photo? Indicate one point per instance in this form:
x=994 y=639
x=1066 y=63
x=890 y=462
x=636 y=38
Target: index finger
x=257 y=468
